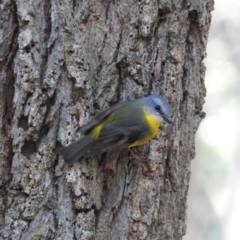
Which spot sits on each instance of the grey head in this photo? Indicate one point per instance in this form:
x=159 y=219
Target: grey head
x=159 y=107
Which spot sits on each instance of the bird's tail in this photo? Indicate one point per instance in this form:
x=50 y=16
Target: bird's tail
x=77 y=149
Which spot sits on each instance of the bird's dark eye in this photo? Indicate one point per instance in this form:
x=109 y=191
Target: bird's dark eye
x=157 y=107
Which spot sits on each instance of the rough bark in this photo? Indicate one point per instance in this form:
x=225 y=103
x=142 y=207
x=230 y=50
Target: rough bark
x=61 y=62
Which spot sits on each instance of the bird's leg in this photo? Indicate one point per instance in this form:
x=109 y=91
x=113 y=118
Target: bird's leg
x=140 y=159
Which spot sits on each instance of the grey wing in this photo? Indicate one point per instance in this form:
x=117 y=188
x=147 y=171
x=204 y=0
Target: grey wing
x=101 y=116
x=77 y=149
x=113 y=136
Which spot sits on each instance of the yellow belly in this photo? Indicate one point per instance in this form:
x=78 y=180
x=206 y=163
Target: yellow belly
x=153 y=125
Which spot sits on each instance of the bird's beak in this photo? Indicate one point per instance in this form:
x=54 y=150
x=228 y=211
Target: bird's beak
x=165 y=117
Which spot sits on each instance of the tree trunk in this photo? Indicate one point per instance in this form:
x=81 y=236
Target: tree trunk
x=62 y=62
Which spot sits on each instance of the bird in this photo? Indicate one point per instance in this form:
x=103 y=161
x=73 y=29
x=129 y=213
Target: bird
x=126 y=124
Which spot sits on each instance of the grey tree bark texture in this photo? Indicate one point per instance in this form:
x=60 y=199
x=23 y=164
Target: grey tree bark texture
x=62 y=62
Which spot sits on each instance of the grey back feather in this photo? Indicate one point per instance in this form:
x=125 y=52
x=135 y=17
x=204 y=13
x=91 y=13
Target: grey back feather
x=101 y=116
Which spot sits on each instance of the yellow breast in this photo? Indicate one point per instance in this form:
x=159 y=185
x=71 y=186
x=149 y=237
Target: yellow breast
x=153 y=124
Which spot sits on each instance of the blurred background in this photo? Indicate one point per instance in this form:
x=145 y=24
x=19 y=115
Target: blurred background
x=214 y=193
